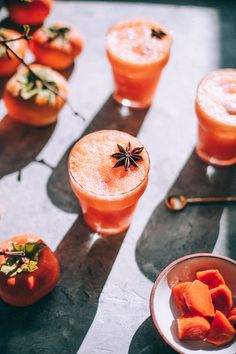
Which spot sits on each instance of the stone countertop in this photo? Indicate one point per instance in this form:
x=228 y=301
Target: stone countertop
x=101 y=304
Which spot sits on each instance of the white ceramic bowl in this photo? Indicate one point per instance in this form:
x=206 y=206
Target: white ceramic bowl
x=164 y=312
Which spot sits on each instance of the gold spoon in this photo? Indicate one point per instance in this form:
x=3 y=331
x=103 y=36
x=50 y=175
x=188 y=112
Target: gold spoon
x=179 y=202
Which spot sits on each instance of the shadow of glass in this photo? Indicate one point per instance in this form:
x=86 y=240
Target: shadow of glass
x=146 y=340
x=59 y=322
x=169 y=235
x=111 y=116
x=20 y=144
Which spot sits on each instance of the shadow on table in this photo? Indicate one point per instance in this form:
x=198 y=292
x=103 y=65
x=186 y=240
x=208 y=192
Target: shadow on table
x=146 y=340
x=58 y=323
x=169 y=235
x=111 y=116
x=66 y=72
x=231 y=230
x=20 y=144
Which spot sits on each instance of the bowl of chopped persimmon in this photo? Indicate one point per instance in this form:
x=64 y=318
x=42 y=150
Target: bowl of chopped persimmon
x=193 y=304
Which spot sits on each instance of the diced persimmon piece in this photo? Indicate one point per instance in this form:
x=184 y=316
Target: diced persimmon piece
x=221 y=332
x=222 y=298
x=198 y=299
x=210 y=277
x=232 y=312
x=232 y=317
x=193 y=326
x=232 y=320
x=178 y=293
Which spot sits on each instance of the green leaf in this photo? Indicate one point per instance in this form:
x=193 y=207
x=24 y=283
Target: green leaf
x=8 y=270
x=33 y=249
x=17 y=247
x=10 y=261
x=57 y=33
x=27 y=94
x=31 y=86
x=32 y=266
x=14 y=265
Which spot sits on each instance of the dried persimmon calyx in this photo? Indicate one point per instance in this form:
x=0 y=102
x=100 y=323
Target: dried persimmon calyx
x=15 y=264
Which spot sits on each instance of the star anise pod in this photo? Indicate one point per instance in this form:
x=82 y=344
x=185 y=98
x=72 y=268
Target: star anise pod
x=158 y=34
x=127 y=157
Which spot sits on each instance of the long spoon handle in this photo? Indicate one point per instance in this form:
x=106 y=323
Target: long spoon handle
x=211 y=200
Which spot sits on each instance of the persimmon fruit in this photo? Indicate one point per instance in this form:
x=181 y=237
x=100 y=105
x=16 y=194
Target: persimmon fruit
x=29 y=102
x=8 y=61
x=56 y=46
x=31 y=12
x=23 y=283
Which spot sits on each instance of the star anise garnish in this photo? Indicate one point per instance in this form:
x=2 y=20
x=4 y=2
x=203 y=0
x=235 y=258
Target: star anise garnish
x=127 y=157
x=158 y=34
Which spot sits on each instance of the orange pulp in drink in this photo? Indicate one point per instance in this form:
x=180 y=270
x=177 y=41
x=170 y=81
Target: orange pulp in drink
x=108 y=196
x=216 y=111
x=137 y=59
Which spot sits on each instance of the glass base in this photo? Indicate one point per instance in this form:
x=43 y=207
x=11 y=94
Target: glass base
x=102 y=230
x=214 y=161
x=130 y=103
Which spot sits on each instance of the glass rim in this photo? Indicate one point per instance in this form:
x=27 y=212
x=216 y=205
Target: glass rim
x=225 y=124
x=108 y=196
x=165 y=53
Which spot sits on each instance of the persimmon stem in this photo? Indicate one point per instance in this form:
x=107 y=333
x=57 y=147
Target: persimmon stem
x=12 y=253
x=4 y=42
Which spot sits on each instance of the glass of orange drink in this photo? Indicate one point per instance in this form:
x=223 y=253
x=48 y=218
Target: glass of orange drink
x=108 y=172
x=216 y=110
x=138 y=51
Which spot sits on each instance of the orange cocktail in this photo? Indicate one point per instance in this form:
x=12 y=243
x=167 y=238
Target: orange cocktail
x=108 y=195
x=216 y=111
x=138 y=51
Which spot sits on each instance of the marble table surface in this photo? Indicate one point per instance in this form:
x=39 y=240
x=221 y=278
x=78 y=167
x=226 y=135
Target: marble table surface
x=101 y=304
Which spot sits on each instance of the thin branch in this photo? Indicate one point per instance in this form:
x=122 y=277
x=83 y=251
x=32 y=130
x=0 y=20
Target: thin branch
x=4 y=42
x=12 y=253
